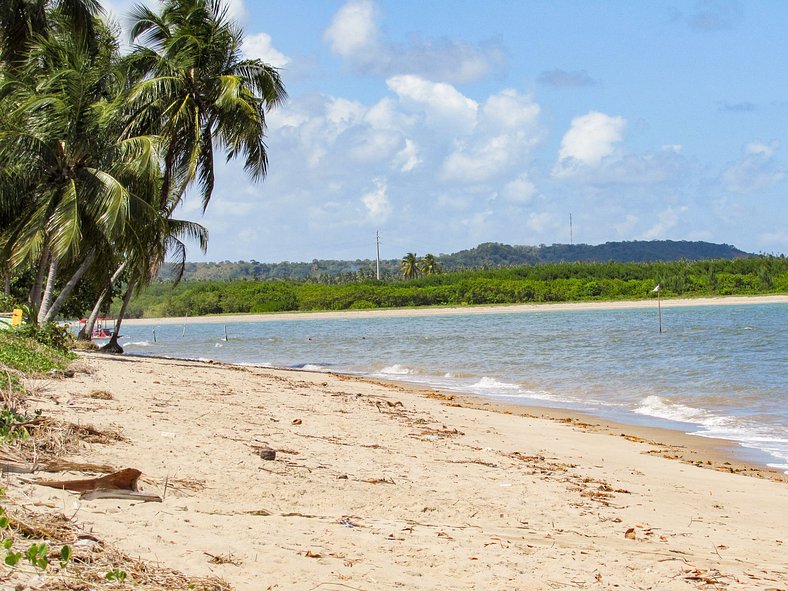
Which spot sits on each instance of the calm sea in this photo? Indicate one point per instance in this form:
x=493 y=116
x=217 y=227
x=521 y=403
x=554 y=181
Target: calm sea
x=715 y=371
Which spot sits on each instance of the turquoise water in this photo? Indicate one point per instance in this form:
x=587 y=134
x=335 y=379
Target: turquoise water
x=716 y=371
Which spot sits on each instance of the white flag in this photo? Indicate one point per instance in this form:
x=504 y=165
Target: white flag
x=656 y=289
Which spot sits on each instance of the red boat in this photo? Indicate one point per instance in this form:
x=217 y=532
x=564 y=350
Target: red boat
x=104 y=327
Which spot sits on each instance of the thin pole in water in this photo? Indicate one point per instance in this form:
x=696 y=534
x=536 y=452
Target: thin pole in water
x=225 y=332
x=185 y=318
x=377 y=260
x=154 y=335
x=658 y=289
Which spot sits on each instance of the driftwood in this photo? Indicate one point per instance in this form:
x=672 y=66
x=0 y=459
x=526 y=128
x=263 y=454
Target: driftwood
x=119 y=493
x=118 y=485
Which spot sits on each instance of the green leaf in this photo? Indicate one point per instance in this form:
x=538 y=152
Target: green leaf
x=65 y=554
x=13 y=558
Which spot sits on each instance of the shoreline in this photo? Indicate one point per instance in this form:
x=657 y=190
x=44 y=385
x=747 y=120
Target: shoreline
x=713 y=453
x=378 y=485
x=467 y=310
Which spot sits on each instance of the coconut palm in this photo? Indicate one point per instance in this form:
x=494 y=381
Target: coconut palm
x=63 y=189
x=410 y=266
x=198 y=92
x=21 y=21
x=429 y=265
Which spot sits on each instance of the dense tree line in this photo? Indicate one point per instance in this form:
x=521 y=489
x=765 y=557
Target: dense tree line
x=554 y=282
x=483 y=256
x=98 y=148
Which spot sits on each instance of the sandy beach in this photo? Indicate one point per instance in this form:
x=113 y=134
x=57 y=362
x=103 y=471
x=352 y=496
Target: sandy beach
x=381 y=486
x=443 y=311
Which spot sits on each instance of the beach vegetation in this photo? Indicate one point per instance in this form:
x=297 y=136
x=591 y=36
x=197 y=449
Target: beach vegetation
x=100 y=148
x=554 y=282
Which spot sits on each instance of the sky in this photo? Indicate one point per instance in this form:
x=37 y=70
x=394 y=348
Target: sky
x=442 y=125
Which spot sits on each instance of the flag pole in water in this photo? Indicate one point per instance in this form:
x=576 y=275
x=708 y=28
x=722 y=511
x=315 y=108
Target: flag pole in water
x=657 y=290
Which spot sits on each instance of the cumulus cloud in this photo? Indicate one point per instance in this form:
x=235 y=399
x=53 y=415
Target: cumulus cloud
x=354 y=35
x=539 y=222
x=666 y=220
x=441 y=104
x=590 y=139
x=520 y=190
x=756 y=170
x=408 y=159
x=559 y=78
x=353 y=30
x=377 y=203
x=259 y=46
x=503 y=134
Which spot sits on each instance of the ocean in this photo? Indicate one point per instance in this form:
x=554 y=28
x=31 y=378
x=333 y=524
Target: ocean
x=714 y=371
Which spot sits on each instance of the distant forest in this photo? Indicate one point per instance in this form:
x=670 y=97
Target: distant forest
x=545 y=282
x=489 y=255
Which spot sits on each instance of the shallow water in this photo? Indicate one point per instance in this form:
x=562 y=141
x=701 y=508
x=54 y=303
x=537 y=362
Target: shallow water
x=716 y=371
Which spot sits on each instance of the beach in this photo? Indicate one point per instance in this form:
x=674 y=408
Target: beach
x=463 y=310
x=377 y=485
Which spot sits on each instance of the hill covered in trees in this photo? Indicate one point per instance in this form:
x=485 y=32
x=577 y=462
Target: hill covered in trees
x=485 y=256
x=546 y=282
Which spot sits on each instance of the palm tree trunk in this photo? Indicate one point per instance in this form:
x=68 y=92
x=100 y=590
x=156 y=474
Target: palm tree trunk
x=87 y=330
x=49 y=291
x=113 y=346
x=35 y=293
x=55 y=307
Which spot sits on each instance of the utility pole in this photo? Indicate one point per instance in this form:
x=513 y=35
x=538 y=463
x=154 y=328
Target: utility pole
x=570 y=229
x=377 y=244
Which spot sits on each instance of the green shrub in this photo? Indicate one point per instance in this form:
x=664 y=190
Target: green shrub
x=53 y=335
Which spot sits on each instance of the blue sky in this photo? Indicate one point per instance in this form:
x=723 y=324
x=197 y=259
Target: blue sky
x=447 y=124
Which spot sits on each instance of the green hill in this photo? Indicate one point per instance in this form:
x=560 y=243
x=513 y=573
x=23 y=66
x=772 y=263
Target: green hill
x=485 y=256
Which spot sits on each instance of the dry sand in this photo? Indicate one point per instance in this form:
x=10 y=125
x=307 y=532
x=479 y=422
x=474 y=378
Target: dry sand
x=379 y=486
x=459 y=310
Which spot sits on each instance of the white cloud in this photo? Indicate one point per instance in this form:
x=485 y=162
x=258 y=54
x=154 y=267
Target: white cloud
x=500 y=137
x=408 y=159
x=259 y=47
x=756 y=170
x=355 y=36
x=353 y=30
x=520 y=190
x=377 y=203
x=761 y=149
x=666 y=220
x=625 y=228
x=539 y=222
x=590 y=139
x=442 y=104
x=236 y=10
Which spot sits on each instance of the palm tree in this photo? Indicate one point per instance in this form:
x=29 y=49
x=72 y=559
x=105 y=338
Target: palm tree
x=410 y=266
x=430 y=265
x=21 y=21
x=63 y=190
x=198 y=92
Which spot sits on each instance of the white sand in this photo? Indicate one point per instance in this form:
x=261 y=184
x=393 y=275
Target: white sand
x=460 y=310
x=378 y=486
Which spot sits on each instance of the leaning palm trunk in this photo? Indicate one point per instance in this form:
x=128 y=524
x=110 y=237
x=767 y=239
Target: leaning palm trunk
x=53 y=309
x=113 y=346
x=87 y=330
x=49 y=291
x=35 y=293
